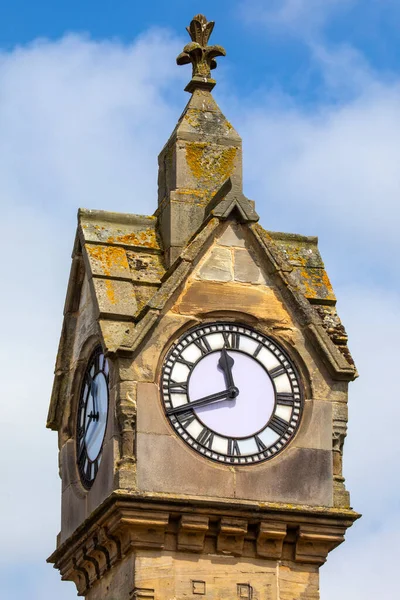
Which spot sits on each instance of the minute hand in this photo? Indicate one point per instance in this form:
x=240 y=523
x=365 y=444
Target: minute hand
x=229 y=394
x=226 y=363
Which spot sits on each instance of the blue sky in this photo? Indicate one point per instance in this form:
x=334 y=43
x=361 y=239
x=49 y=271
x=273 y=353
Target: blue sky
x=89 y=93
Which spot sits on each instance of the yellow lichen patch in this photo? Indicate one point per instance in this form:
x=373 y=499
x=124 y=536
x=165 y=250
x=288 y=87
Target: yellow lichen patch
x=146 y=238
x=190 y=192
x=316 y=284
x=110 y=291
x=108 y=258
x=209 y=163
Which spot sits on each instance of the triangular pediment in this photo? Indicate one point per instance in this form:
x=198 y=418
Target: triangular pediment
x=269 y=269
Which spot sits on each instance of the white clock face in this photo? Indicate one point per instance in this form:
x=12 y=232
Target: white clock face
x=92 y=417
x=231 y=393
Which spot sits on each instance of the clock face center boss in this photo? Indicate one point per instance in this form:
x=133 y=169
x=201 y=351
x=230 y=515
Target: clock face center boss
x=231 y=393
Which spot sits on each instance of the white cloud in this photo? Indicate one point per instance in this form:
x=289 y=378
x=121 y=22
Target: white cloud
x=299 y=17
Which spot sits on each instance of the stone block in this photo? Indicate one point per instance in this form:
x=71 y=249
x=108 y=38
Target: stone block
x=115 y=297
x=217 y=266
x=232 y=236
x=104 y=483
x=165 y=464
x=315 y=430
x=150 y=415
x=145 y=268
x=108 y=261
x=297 y=476
x=263 y=302
x=246 y=269
x=298 y=582
x=179 y=220
x=73 y=512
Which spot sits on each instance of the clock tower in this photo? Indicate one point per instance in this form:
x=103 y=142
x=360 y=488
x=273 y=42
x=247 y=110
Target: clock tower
x=200 y=392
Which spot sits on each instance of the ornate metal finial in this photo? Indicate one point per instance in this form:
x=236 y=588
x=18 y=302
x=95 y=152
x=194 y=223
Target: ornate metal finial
x=199 y=54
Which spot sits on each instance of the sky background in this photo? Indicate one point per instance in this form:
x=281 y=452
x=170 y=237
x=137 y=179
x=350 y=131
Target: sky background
x=89 y=93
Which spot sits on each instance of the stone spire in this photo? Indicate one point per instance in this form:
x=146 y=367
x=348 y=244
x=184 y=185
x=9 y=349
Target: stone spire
x=201 y=164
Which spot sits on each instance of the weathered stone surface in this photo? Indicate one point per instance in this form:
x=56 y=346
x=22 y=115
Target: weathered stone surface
x=181 y=576
x=217 y=266
x=232 y=236
x=118 y=229
x=262 y=301
x=298 y=475
x=73 y=512
x=150 y=416
x=146 y=268
x=298 y=583
x=202 y=153
x=316 y=426
x=246 y=268
x=145 y=365
x=115 y=297
x=106 y=261
x=104 y=483
x=165 y=464
x=115 y=584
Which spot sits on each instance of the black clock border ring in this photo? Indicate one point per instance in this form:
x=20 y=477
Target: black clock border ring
x=254 y=334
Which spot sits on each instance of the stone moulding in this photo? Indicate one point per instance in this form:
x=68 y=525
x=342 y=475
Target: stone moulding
x=271 y=532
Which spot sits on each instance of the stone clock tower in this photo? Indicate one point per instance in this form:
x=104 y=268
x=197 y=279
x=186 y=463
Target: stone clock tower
x=200 y=392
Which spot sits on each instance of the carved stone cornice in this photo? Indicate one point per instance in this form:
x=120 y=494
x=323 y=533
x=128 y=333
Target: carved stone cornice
x=125 y=523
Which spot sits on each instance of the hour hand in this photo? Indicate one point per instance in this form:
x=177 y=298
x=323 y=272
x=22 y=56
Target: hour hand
x=226 y=363
x=93 y=391
x=225 y=395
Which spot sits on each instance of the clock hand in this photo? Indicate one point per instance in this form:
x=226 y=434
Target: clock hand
x=226 y=363
x=90 y=416
x=93 y=391
x=229 y=394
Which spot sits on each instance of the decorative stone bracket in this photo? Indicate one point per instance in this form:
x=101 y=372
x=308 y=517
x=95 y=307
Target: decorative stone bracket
x=231 y=536
x=128 y=525
x=314 y=544
x=192 y=532
x=270 y=539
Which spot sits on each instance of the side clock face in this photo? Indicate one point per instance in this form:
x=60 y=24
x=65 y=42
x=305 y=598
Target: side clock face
x=231 y=393
x=92 y=417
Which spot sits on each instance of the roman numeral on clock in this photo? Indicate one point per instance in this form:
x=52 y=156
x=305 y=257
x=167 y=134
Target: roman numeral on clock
x=186 y=418
x=260 y=445
x=205 y=438
x=231 y=339
x=233 y=447
x=287 y=399
x=278 y=425
x=181 y=360
x=277 y=371
x=203 y=345
x=176 y=386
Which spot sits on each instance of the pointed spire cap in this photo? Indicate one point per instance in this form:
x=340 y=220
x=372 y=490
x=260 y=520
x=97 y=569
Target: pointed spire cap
x=200 y=54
